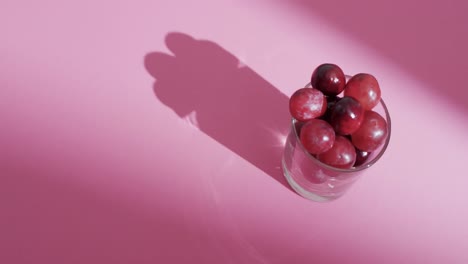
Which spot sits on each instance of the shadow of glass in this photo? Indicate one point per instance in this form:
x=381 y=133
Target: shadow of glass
x=226 y=100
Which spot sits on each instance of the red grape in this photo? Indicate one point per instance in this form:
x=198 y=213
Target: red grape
x=328 y=78
x=346 y=116
x=341 y=155
x=307 y=103
x=372 y=133
x=364 y=88
x=361 y=157
x=317 y=136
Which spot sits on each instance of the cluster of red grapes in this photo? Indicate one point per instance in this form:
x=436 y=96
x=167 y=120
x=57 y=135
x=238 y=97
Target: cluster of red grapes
x=335 y=121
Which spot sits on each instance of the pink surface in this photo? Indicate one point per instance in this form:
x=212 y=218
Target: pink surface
x=151 y=132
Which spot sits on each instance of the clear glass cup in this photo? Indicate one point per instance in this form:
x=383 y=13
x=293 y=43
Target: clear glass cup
x=320 y=182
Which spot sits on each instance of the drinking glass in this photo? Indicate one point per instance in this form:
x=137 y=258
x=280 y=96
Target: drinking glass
x=320 y=182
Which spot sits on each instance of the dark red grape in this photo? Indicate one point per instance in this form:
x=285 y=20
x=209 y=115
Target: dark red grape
x=361 y=157
x=328 y=78
x=372 y=133
x=331 y=101
x=364 y=88
x=346 y=116
x=341 y=155
x=307 y=103
x=317 y=136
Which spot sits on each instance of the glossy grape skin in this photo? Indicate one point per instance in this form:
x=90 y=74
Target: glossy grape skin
x=346 y=116
x=364 y=88
x=317 y=136
x=372 y=133
x=307 y=103
x=342 y=155
x=361 y=157
x=328 y=78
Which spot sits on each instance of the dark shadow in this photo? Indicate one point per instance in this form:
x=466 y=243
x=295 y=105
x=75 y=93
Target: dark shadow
x=426 y=39
x=46 y=219
x=230 y=102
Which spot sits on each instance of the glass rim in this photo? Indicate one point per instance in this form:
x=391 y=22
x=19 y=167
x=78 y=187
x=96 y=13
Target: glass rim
x=364 y=166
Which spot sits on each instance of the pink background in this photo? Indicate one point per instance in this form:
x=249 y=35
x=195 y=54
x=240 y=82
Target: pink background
x=151 y=131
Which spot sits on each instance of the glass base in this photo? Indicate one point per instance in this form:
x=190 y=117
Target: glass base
x=301 y=191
